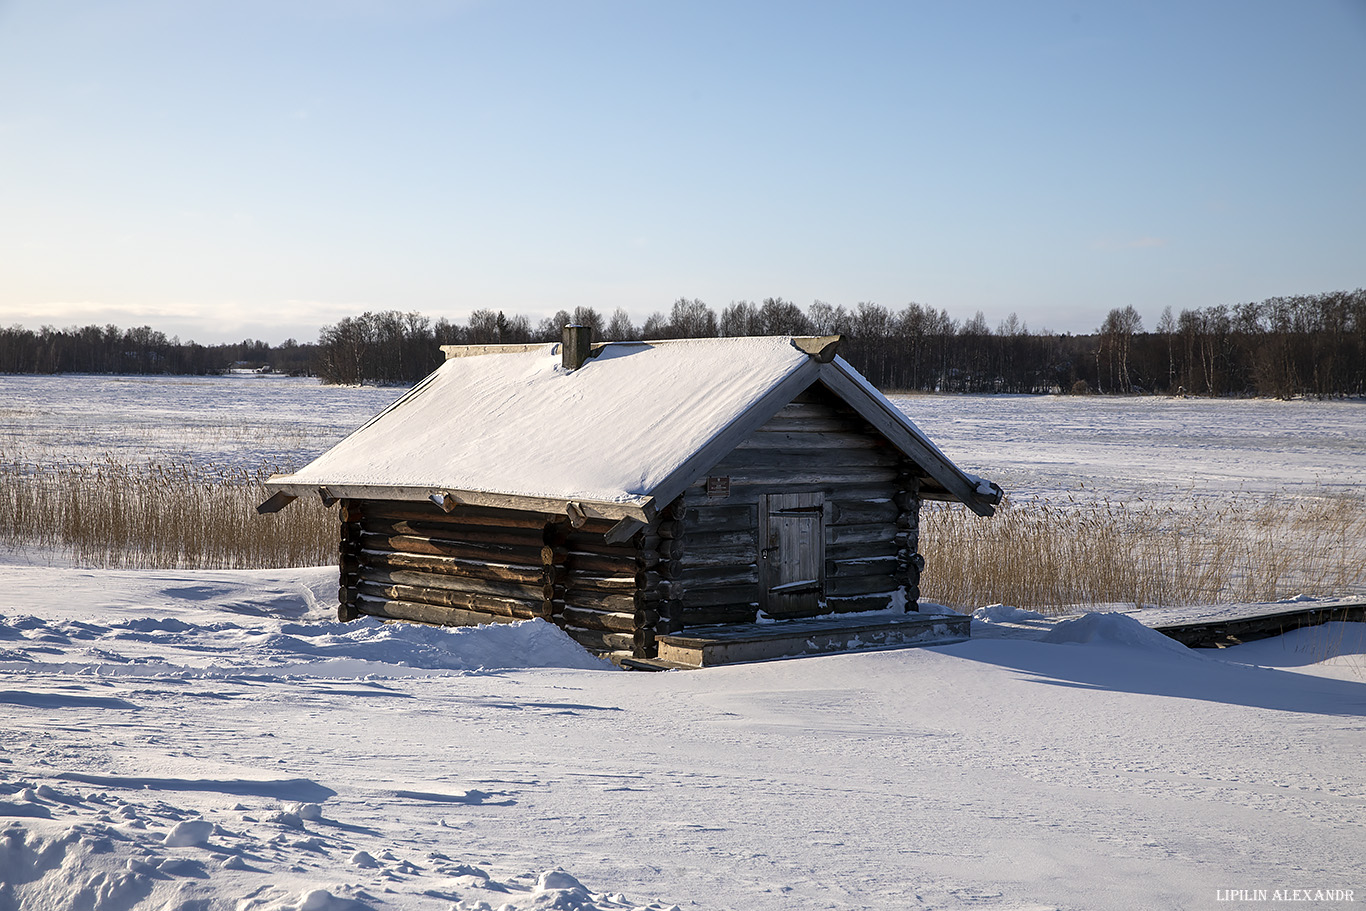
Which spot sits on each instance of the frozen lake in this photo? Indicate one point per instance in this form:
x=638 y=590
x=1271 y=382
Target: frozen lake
x=1152 y=447
x=1034 y=446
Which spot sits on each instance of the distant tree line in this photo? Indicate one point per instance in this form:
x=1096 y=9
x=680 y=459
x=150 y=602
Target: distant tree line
x=1283 y=346
x=109 y=349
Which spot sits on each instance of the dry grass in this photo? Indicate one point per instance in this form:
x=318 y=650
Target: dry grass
x=162 y=516
x=1048 y=555
x=1041 y=555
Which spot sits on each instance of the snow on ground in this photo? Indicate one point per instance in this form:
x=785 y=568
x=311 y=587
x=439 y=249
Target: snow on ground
x=196 y=740
x=202 y=740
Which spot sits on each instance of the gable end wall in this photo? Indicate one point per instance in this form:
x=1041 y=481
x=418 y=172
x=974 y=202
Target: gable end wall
x=871 y=514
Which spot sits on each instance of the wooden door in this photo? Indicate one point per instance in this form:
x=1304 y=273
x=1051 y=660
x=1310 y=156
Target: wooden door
x=792 y=553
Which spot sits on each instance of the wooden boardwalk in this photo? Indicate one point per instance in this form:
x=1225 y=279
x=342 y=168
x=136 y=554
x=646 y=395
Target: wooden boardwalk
x=1226 y=625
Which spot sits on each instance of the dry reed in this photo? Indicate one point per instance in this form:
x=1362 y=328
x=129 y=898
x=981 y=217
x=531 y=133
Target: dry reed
x=158 y=516
x=1048 y=555
x=1041 y=555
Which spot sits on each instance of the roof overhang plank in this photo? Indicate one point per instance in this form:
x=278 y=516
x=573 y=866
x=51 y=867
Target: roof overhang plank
x=640 y=509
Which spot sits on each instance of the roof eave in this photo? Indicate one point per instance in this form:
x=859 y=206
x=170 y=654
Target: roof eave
x=639 y=508
x=719 y=446
x=872 y=406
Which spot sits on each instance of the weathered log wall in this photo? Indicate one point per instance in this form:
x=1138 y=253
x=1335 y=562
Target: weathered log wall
x=871 y=514
x=412 y=561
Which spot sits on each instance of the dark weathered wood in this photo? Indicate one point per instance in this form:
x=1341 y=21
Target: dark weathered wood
x=720 y=576
x=842 y=552
x=703 y=520
x=620 y=602
x=733 y=542
x=743 y=494
x=508 y=590
x=429 y=613
x=715 y=559
x=462 y=515
x=601 y=564
x=492 y=553
x=862 y=534
x=843 y=586
x=773 y=459
x=607 y=584
x=458 y=533
x=728 y=594
x=605 y=621
x=857 y=603
x=1233 y=630
x=800 y=477
x=594 y=544
x=729 y=613
x=863 y=512
x=600 y=641
x=472 y=569
x=875 y=566
x=472 y=601
x=797 y=441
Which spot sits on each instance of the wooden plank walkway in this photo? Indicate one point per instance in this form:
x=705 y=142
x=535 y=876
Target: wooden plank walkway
x=698 y=647
x=1226 y=625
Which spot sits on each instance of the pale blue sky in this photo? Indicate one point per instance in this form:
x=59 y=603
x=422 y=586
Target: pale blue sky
x=250 y=168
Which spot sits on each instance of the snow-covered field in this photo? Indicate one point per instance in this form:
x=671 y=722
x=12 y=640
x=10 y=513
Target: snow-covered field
x=197 y=740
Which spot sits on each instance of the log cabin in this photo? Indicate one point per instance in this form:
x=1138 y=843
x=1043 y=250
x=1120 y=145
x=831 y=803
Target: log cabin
x=634 y=492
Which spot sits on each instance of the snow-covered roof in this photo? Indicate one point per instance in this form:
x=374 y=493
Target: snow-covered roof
x=618 y=437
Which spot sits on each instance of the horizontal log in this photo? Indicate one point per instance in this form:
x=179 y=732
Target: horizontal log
x=623 y=583
x=871 y=566
x=492 y=553
x=751 y=494
x=533 y=594
x=600 y=641
x=716 y=559
x=459 y=534
x=805 y=461
x=863 y=512
x=765 y=438
x=463 y=515
x=595 y=544
x=469 y=601
x=810 y=425
x=714 y=576
x=730 y=594
x=605 y=621
x=882 y=584
x=471 y=569
x=427 y=613
x=737 y=541
x=600 y=565
x=703 y=519
x=858 y=603
x=861 y=534
x=842 y=552
x=800 y=475
x=620 y=603
x=719 y=613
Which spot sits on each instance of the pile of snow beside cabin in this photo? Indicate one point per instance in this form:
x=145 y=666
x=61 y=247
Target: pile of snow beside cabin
x=199 y=740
